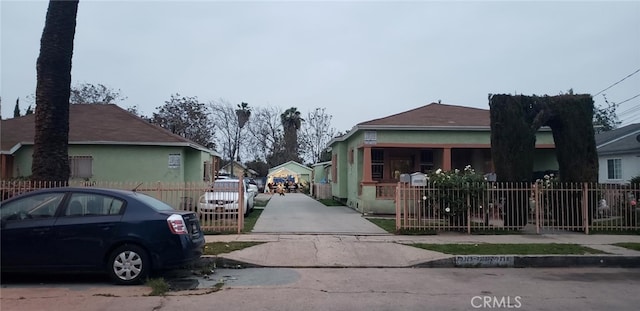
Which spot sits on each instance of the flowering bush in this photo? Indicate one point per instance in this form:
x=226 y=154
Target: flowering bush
x=455 y=189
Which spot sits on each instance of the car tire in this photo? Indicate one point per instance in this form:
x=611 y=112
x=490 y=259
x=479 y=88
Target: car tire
x=129 y=264
x=247 y=211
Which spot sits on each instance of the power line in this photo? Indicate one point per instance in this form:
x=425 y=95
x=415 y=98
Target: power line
x=626 y=100
x=612 y=85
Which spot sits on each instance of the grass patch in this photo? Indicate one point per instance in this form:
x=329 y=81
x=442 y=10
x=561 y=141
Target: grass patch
x=330 y=202
x=387 y=224
x=216 y=248
x=250 y=221
x=614 y=232
x=629 y=245
x=159 y=287
x=509 y=249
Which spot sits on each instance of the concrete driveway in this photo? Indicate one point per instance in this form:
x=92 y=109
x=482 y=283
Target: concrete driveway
x=299 y=213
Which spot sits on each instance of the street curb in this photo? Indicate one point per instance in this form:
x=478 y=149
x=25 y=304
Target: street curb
x=541 y=261
x=466 y=261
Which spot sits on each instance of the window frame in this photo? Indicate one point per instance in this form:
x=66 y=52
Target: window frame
x=614 y=169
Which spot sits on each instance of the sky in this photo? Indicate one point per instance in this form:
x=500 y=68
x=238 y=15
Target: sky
x=360 y=60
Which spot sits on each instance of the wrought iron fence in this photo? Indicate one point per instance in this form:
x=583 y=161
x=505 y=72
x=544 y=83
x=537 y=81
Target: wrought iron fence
x=533 y=207
x=181 y=196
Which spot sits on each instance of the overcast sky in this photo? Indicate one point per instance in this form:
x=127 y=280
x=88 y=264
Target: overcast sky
x=361 y=60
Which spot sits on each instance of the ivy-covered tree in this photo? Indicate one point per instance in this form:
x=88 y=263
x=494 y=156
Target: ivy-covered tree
x=514 y=122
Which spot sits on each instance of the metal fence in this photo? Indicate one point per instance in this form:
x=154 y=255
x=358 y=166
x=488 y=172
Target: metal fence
x=530 y=207
x=181 y=196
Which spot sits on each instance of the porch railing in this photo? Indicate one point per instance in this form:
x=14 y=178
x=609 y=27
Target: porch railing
x=536 y=208
x=181 y=196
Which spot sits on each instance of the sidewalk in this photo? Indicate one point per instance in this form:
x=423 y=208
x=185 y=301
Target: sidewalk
x=390 y=251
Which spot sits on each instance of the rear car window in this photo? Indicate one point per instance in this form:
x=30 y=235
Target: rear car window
x=225 y=186
x=153 y=202
x=93 y=204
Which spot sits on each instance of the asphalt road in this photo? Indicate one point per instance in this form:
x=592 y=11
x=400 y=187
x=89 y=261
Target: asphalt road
x=299 y=213
x=350 y=289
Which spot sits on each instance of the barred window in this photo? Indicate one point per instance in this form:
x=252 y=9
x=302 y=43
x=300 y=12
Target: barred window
x=81 y=166
x=377 y=164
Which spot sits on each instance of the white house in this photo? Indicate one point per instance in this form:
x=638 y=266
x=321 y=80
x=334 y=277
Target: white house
x=619 y=154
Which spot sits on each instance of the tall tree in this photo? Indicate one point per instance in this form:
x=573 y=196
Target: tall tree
x=53 y=88
x=230 y=134
x=187 y=117
x=87 y=93
x=16 y=109
x=291 y=123
x=316 y=134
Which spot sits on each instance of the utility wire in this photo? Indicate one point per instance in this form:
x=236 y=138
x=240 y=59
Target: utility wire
x=626 y=100
x=612 y=85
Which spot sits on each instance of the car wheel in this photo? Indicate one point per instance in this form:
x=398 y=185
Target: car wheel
x=129 y=264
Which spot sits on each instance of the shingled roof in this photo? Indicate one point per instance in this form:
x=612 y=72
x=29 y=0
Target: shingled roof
x=95 y=124
x=435 y=115
x=621 y=140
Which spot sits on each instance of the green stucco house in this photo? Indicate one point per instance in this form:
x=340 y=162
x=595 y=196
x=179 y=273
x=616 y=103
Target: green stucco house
x=108 y=143
x=367 y=162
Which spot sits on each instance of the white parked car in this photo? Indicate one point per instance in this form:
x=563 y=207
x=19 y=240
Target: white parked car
x=222 y=198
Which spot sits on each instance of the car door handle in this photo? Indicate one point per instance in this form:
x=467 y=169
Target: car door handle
x=105 y=227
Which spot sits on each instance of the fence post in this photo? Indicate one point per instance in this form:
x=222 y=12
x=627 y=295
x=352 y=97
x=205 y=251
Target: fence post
x=538 y=202
x=585 y=207
x=241 y=203
x=398 y=210
x=468 y=212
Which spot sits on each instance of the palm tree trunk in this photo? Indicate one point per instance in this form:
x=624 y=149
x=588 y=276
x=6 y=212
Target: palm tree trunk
x=50 y=152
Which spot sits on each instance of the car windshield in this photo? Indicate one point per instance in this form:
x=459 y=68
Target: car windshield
x=154 y=203
x=225 y=186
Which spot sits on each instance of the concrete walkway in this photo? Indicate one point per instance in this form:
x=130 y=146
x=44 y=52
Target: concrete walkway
x=299 y=213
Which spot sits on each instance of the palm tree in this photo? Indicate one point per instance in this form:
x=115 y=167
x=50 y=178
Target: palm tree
x=50 y=151
x=291 y=122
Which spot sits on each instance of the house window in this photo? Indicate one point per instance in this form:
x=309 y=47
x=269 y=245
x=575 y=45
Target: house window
x=426 y=160
x=377 y=163
x=614 y=169
x=174 y=160
x=370 y=137
x=81 y=166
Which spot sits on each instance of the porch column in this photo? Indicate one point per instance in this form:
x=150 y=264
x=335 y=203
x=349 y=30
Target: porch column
x=446 y=159
x=366 y=166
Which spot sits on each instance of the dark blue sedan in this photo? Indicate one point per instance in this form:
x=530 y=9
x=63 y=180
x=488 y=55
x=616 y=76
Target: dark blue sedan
x=124 y=233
